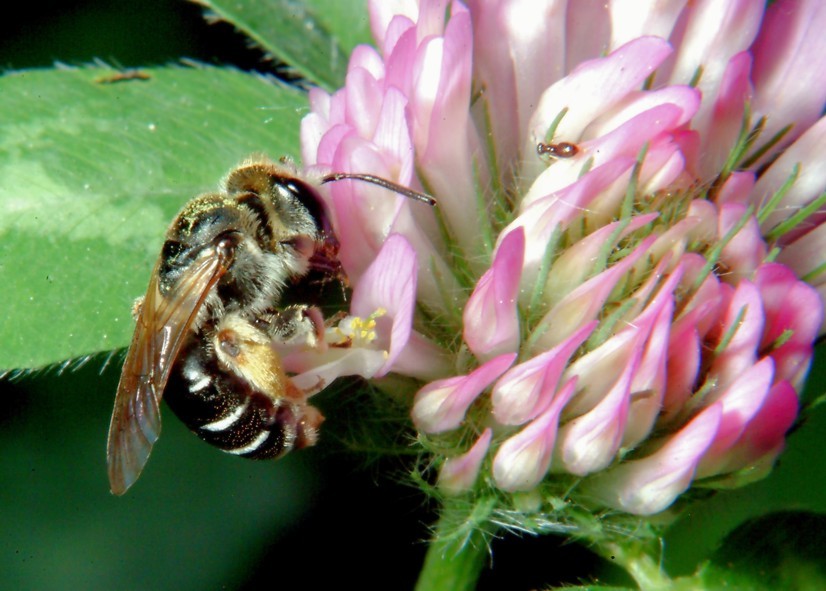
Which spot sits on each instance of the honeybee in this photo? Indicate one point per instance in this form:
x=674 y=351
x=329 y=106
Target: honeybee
x=206 y=327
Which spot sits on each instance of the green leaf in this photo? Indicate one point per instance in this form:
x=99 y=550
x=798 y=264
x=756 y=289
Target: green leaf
x=347 y=20
x=314 y=38
x=93 y=172
x=593 y=588
x=783 y=551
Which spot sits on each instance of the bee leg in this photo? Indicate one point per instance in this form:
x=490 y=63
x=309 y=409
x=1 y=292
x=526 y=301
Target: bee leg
x=137 y=306
x=296 y=419
x=307 y=432
x=295 y=325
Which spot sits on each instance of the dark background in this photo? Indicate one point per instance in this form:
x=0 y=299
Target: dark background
x=199 y=519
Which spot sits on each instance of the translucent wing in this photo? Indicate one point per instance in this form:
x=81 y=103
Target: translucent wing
x=161 y=330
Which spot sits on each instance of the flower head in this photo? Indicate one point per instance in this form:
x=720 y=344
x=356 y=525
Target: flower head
x=637 y=317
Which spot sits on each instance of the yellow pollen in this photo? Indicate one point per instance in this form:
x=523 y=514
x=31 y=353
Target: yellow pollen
x=355 y=330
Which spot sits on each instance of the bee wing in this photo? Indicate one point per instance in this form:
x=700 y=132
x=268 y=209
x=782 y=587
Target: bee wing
x=162 y=327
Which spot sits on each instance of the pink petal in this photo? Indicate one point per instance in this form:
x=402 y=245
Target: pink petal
x=634 y=18
x=810 y=182
x=568 y=271
x=364 y=101
x=689 y=332
x=389 y=283
x=705 y=304
x=544 y=208
x=765 y=434
x=526 y=389
x=722 y=124
x=442 y=131
x=491 y=320
x=523 y=53
x=743 y=323
x=804 y=257
x=745 y=250
x=590 y=442
x=630 y=137
x=438 y=287
x=400 y=61
x=523 y=460
x=794 y=314
x=598 y=85
x=740 y=402
x=683 y=367
x=565 y=181
x=789 y=70
x=317 y=371
x=664 y=166
x=640 y=298
x=382 y=12
x=648 y=387
x=458 y=474
x=684 y=101
x=392 y=137
x=423 y=359
x=587 y=32
x=363 y=214
x=585 y=303
x=649 y=485
x=441 y=405
x=365 y=57
x=738 y=188
x=714 y=32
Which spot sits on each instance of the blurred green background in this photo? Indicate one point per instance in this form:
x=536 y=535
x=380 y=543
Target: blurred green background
x=199 y=519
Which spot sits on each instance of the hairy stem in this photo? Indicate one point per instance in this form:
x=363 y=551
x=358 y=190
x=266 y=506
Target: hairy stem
x=457 y=550
x=644 y=568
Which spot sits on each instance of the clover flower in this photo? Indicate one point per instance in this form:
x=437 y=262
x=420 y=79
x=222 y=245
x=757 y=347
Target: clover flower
x=623 y=322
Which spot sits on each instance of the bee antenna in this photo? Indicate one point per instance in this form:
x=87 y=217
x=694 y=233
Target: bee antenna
x=375 y=180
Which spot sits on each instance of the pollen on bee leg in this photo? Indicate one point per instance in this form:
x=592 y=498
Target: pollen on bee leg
x=315 y=330
x=137 y=306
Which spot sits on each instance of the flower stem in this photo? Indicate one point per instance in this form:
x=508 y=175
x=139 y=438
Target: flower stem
x=639 y=563
x=457 y=550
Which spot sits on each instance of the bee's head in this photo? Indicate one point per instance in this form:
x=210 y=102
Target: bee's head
x=277 y=195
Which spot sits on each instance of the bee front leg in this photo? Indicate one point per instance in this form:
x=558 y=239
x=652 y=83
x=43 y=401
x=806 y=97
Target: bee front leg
x=294 y=326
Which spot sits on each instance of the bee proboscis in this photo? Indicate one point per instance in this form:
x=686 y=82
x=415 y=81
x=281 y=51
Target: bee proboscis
x=205 y=329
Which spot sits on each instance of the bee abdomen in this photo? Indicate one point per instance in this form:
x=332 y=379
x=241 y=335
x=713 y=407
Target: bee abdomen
x=227 y=412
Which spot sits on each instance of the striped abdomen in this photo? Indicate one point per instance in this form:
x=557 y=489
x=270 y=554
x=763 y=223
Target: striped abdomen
x=227 y=412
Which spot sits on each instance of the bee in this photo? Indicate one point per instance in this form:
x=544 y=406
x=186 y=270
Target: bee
x=206 y=328
x=555 y=151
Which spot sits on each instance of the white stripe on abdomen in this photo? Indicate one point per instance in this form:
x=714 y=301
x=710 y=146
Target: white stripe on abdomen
x=227 y=421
